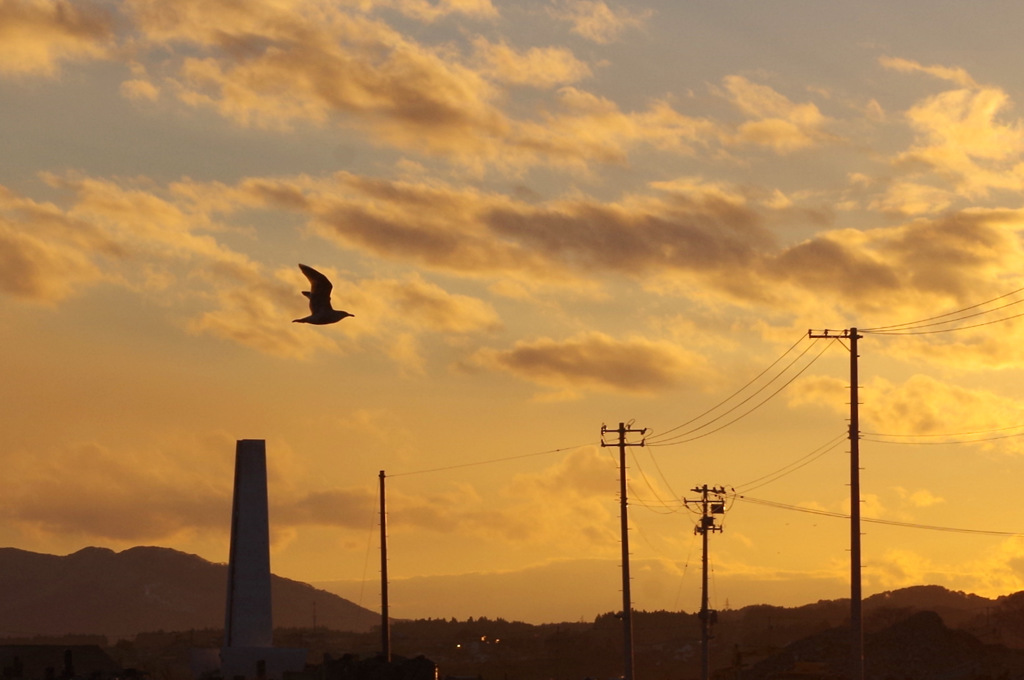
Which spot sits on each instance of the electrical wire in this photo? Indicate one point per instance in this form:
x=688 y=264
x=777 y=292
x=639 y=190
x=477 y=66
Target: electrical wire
x=948 y=437
x=677 y=503
x=942 y=443
x=647 y=482
x=492 y=460
x=888 y=522
x=948 y=330
x=686 y=566
x=734 y=394
x=681 y=437
x=661 y=474
x=945 y=434
x=795 y=465
x=369 y=543
x=912 y=327
x=921 y=323
x=659 y=505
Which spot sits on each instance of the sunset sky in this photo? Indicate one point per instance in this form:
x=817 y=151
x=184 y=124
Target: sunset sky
x=546 y=216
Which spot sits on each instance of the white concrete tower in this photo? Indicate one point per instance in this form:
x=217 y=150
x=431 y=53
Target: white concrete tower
x=248 y=650
x=249 y=620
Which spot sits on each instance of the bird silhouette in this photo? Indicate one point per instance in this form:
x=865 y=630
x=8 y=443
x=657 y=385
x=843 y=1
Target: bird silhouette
x=320 y=310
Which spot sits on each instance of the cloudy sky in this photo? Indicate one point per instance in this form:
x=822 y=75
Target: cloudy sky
x=546 y=216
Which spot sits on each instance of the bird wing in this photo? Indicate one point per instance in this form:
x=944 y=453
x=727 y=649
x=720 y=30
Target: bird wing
x=320 y=288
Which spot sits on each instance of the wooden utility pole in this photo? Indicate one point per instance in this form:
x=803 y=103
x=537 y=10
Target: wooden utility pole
x=856 y=617
x=385 y=623
x=627 y=606
x=711 y=504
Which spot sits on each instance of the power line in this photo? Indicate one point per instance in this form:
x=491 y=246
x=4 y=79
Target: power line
x=492 y=460
x=948 y=330
x=661 y=474
x=650 y=486
x=946 y=434
x=795 y=465
x=940 y=323
x=675 y=504
x=734 y=394
x=658 y=505
x=681 y=437
x=875 y=520
x=948 y=437
x=369 y=542
x=953 y=442
x=912 y=327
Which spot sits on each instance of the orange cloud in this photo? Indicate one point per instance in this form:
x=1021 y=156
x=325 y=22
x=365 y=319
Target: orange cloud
x=960 y=135
x=140 y=90
x=183 y=492
x=596 y=21
x=777 y=122
x=46 y=254
x=585 y=127
x=391 y=312
x=121 y=496
x=427 y=305
x=923 y=264
x=690 y=231
x=922 y=498
x=706 y=234
x=921 y=409
x=38 y=35
x=145 y=221
x=702 y=240
x=346 y=508
x=141 y=237
x=272 y=66
x=424 y=10
x=925 y=406
x=536 y=67
x=524 y=511
x=277 y=67
x=251 y=312
x=913 y=198
x=432 y=224
x=958 y=76
x=963 y=135
x=595 y=361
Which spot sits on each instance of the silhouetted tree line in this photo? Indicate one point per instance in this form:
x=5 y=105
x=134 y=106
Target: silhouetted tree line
x=667 y=644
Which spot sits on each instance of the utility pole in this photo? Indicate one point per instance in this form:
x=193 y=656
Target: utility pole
x=627 y=605
x=856 y=618
x=385 y=623
x=711 y=504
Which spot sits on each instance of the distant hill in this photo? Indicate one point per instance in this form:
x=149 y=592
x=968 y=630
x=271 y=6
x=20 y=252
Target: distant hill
x=918 y=647
x=918 y=633
x=120 y=594
x=97 y=591
x=763 y=629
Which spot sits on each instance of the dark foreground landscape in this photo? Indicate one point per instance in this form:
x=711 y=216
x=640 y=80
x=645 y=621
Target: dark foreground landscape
x=146 y=608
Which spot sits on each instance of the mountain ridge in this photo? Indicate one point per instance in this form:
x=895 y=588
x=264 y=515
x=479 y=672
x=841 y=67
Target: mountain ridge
x=143 y=589
x=159 y=603
x=146 y=588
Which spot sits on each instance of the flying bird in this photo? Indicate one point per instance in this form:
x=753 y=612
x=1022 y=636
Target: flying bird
x=320 y=310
